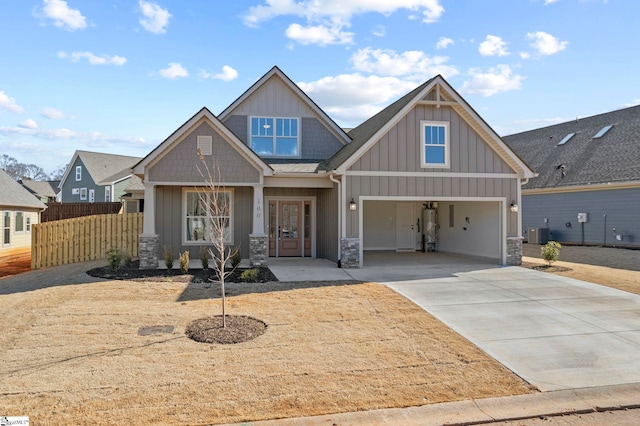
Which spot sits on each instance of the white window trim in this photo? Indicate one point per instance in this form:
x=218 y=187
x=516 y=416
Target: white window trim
x=205 y=144
x=83 y=190
x=107 y=194
x=78 y=173
x=15 y=223
x=4 y=242
x=92 y=195
x=27 y=224
x=447 y=145
x=183 y=217
x=250 y=135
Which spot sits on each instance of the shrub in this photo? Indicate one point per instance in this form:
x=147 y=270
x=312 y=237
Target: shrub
x=184 y=261
x=204 y=257
x=236 y=257
x=551 y=252
x=114 y=258
x=249 y=275
x=168 y=258
x=126 y=259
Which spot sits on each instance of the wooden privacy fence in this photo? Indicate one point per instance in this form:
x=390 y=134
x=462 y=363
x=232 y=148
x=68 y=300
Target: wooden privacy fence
x=84 y=238
x=60 y=211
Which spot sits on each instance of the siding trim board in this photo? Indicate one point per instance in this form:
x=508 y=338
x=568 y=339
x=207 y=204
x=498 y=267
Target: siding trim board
x=583 y=188
x=433 y=174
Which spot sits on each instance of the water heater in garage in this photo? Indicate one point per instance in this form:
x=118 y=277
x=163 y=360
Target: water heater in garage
x=430 y=227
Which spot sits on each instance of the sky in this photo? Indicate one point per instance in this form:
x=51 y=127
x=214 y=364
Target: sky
x=119 y=76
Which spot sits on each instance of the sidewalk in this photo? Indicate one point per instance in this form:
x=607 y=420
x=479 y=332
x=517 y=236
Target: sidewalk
x=545 y=404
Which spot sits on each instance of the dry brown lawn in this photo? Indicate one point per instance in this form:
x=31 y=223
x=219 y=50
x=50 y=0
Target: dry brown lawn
x=71 y=354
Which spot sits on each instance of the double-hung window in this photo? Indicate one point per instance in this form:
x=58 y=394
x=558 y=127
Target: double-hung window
x=434 y=142
x=78 y=173
x=19 y=226
x=83 y=193
x=275 y=137
x=206 y=214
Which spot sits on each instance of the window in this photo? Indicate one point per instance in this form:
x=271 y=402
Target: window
x=83 y=193
x=6 y=228
x=28 y=224
x=92 y=195
x=602 y=131
x=275 y=137
x=566 y=139
x=107 y=194
x=19 y=222
x=78 y=173
x=434 y=144
x=206 y=211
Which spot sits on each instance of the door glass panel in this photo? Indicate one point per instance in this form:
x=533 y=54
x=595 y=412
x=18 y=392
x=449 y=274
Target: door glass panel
x=307 y=221
x=290 y=221
x=272 y=220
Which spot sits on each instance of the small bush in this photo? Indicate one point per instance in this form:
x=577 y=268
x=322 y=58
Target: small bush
x=236 y=257
x=168 y=258
x=114 y=258
x=551 y=252
x=126 y=259
x=249 y=275
x=204 y=257
x=184 y=262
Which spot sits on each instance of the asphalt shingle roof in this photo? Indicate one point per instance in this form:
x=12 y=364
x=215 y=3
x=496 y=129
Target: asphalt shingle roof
x=12 y=194
x=102 y=166
x=46 y=188
x=615 y=157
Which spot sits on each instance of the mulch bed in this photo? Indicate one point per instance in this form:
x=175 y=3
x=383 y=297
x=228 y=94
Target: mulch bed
x=239 y=328
x=133 y=273
x=545 y=268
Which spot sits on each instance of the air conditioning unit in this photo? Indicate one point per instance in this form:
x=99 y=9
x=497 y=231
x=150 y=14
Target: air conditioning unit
x=538 y=235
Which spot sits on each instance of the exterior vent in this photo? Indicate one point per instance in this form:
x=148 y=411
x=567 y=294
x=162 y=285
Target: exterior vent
x=205 y=145
x=602 y=131
x=566 y=139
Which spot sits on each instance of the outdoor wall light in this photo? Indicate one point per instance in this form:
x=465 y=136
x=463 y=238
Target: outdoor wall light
x=513 y=207
x=353 y=206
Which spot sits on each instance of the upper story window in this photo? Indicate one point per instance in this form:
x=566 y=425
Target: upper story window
x=275 y=137
x=434 y=144
x=78 y=173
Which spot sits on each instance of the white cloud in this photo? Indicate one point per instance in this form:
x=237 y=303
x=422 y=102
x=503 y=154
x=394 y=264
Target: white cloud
x=154 y=18
x=525 y=55
x=89 y=138
x=62 y=15
x=227 y=74
x=319 y=34
x=93 y=59
x=546 y=44
x=632 y=103
x=28 y=124
x=498 y=79
x=379 y=31
x=493 y=46
x=327 y=18
x=53 y=114
x=352 y=98
x=174 y=70
x=546 y=2
x=413 y=64
x=444 y=42
x=9 y=103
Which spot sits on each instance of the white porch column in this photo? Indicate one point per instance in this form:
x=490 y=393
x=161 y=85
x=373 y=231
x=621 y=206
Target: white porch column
x=149 y=224
x=258 y=210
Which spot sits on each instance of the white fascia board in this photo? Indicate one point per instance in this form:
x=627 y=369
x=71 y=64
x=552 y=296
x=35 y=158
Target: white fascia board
x=583 y=188
x=68 y=169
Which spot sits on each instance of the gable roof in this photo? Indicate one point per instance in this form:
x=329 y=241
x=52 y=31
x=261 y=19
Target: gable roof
x=102 y=166
x=236 y=143
x=275 y=71
x=369 y=132
x=43 y=188
x=13 y=194
x=612 y=158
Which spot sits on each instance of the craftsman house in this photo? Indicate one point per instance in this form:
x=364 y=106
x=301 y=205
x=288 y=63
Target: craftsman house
x=299 y=185
x=588 y=188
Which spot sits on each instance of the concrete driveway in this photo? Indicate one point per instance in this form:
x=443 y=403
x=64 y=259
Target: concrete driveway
x=555 y=332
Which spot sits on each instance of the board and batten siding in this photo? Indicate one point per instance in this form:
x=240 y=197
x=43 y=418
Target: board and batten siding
x=169 y=220
x=181 y=163
x=621 y=207
x=274 y=99
x=399 y=149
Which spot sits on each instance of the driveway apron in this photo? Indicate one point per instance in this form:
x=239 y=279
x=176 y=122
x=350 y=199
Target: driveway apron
x=555 y=332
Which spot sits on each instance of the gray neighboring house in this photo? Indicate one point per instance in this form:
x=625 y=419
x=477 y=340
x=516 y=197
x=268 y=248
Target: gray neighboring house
x=96 y=177
x=46 y=191
x=300 y=186
x=19 y=211
x=588 y=185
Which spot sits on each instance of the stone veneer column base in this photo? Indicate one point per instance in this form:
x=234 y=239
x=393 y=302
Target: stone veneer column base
x=149 y=246
x=258 y=250
x=350 y=253
x=514 y=251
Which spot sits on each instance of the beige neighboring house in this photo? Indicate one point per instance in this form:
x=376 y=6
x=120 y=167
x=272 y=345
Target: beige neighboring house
x=426 y=170
x=46 y=191
x=19 y=210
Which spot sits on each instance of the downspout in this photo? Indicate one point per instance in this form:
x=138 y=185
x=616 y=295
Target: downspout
x=334 y=180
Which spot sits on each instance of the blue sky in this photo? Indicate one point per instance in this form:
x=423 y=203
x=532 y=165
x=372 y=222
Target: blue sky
x=119 y=76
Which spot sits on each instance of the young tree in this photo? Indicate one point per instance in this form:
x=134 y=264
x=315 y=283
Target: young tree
x=215 y=204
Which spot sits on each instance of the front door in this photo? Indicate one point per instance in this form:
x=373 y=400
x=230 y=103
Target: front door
x=405 y=233
x=289 y=228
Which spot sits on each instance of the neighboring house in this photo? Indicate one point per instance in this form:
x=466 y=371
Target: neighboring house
x=589 y=165
x=300 y=186
x=45 y=191
x=96 y=177
x=19 y=211
x=133 y=197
